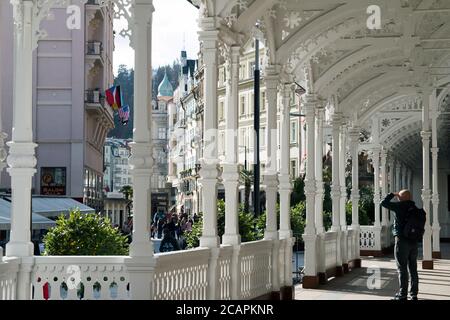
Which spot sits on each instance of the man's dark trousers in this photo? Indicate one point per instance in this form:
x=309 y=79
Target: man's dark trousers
x=406 y=258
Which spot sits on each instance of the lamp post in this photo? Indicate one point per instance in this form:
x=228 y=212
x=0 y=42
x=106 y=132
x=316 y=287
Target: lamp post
x=245 y=156
x=256 y=165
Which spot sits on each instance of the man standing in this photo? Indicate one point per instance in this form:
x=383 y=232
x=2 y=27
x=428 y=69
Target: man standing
x=405 y=248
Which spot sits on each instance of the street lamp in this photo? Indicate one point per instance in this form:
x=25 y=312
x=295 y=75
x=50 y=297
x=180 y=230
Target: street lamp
x=245 y=156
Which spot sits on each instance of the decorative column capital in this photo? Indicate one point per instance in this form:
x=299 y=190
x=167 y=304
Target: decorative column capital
x=336 y=120
x=272 y=70
x=209 y=39
x=208 y=24
x=434 y=151
x=426 y=135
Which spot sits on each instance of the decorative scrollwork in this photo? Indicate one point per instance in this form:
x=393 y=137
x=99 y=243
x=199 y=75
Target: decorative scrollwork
x=17 y=13
x=41 y=11
x=124 y=9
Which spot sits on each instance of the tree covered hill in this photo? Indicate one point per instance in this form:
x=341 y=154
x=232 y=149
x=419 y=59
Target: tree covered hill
x=125 y=78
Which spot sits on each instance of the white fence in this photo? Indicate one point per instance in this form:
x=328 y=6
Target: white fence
x=8 y=278
x=256 y=265
x=374 y=238
x=181 y=275
x=330 y=240
x=79 y=278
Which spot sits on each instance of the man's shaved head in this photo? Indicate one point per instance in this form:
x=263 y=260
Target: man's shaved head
x=404 y=195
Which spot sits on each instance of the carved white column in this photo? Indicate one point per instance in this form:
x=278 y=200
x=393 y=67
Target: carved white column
x=320 y=111
x=436 y=228
x=285 y=186
x=427 y=262
x=3 y=136
x=310 y=236
x=209 y=162
x=384 y=186
x=335 y=183
x=270 y=178
x=336 y=123
x=376 y=183
x=404 y=177
x=270 y=174
x=141 y=263
x=141 y=160
x=398 y=170
x=209 y=36
x=343 y=196
x=230 y=173
x=21 y=159
x=342 y=165
x=354 y=153
x=391 y=185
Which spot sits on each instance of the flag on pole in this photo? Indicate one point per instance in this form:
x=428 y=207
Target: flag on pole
x=114 y=97
x=124 y=114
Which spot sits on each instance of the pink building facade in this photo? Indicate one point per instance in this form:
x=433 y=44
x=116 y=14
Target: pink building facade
x=72 y=67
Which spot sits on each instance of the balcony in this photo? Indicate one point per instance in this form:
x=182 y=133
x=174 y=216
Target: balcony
x=95 y=103
x=94 y=48
x=94 y=52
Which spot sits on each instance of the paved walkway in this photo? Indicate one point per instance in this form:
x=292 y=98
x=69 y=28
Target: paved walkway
x=356 y=285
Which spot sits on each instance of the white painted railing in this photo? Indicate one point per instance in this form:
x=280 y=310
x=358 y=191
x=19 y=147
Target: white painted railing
x=369 y=238
x=256 y=265
x=224 y=272
x=181 y=275
x=79 y=277
x=351 y=250
x=8 y=278
x=330 y=241
x=282 y=261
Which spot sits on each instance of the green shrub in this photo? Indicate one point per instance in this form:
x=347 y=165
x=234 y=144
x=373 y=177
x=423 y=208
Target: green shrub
x=84 y=235
x=247 y=224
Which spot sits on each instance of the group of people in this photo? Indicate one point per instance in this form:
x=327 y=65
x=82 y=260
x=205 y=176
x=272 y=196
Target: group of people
x=171 y=227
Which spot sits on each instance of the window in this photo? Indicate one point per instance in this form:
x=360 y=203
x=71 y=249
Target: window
x=242 y=106
x=222 y=143
x=250 y=137
x=262 y=137
x=294 y=132
x=294 y=168
x=251 y=69
x=53 y=181
x=129 y=181
x=263 y=100
x=242 y=137
x=278 y=134
x=292 y=99
x=252 y=103
x=161 y=133
x=221 y=110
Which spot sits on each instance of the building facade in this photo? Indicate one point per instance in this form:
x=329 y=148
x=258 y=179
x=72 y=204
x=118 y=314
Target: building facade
x=160 y=106
x=73 y=67
x=117 y=175
x=185 y=123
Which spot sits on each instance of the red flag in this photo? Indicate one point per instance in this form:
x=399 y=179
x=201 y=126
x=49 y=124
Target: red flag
x=114 y=97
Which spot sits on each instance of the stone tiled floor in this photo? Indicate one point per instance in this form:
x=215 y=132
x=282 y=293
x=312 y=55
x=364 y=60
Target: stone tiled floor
x=433 y=284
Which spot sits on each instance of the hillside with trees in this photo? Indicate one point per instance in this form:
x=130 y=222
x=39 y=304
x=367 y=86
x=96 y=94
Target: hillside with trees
x=125 y=78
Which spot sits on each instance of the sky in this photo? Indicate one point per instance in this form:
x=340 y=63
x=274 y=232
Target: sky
x=174 y=27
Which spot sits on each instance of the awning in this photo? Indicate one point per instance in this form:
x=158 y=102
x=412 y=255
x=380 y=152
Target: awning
x=38 y=221
x=54 y=206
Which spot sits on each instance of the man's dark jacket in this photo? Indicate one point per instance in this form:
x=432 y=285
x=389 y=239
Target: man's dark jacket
x=400 y=210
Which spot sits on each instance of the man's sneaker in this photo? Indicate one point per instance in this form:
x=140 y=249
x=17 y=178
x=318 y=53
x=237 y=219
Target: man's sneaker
x=400 y=298
x=414 y=298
